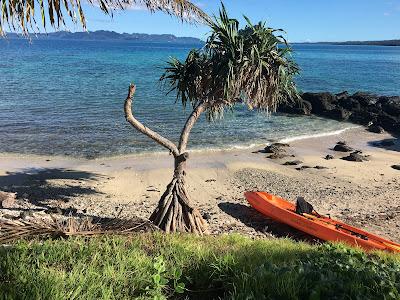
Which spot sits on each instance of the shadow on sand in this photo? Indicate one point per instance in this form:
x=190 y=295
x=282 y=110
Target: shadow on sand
x=35 y=186
x=392 y=144
x=252 y=218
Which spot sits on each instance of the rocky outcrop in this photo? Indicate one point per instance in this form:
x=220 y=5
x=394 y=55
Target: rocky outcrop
x=360 y=108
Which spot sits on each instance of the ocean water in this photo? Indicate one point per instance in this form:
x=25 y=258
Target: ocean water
x=66 y=97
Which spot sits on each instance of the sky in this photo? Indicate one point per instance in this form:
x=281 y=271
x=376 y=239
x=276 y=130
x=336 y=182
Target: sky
x=303 y=20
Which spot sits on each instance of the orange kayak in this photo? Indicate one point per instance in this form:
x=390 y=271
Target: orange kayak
x=319 y=226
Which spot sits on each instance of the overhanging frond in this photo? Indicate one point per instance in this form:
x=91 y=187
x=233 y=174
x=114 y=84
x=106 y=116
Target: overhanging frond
x=25 y=15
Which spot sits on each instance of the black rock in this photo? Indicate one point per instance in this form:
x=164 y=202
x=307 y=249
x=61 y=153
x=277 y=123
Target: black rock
x=389 y=122
x=356 y=156
x=303 y=168
x=301 y=107
x=277 y=155
x=320 y=102
x=275 y=148
x=342 y=148
x=342 y=143
x=342 y=95
x=361 y=108
x=338 y=113
x=365 y=99
x=396 y=167
x=206 y=216
x=375 y=129
x=390 y=105
x=363 y=117
x=329 y=156
x=293 y=163
x=350 y=104
x=320 y=167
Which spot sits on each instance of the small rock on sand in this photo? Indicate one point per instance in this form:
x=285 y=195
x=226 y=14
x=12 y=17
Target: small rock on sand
x=342 y=148
x=375 y=129
x=303 y=168
x=277 y=156
x=293 y=163
x=356 y=156
x=396 y=167
x=275 y=148
x=320 y=167
x=210 y=180
x=329 y=156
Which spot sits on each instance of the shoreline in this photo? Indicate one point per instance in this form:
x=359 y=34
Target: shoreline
x=364 y=194
x=145 y=154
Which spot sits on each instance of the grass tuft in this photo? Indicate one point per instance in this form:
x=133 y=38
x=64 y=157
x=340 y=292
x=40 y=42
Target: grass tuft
x=159 y=266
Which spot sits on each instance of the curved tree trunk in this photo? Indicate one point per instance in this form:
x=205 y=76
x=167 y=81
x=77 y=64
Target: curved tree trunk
x=174 y=212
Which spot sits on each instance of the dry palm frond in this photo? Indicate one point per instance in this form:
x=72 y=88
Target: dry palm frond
x=11 y=230
x=21 y=15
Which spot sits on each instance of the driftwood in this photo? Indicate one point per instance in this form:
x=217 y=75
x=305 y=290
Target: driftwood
x=11 y=230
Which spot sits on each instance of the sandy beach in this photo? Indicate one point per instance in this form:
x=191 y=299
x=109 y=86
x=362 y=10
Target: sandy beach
x=365 y=194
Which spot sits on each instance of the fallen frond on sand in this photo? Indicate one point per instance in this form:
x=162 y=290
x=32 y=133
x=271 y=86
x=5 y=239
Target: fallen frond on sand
x=11 y=230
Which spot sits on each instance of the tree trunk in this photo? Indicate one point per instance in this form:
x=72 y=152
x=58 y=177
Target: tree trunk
x=174 y=212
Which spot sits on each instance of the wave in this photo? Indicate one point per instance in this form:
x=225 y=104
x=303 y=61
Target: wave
x=231 y=147
x=317 y=135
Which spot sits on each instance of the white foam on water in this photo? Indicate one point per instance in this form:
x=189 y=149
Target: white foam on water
x=230 y=147
x=317 y=135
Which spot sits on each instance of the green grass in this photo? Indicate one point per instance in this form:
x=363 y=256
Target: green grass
x=155 y=266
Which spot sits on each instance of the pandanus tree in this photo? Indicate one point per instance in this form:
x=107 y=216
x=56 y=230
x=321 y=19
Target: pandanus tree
x=250 y=67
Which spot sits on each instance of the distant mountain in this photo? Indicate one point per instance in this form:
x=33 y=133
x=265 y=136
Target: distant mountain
x=367 y=43
x=103 y=35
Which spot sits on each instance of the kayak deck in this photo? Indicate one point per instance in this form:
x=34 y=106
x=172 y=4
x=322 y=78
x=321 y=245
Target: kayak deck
x=319 y=226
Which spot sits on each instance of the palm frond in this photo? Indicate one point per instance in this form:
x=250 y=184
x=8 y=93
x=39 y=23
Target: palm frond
x=252 y=65
x=11 y=230
x=21 y=16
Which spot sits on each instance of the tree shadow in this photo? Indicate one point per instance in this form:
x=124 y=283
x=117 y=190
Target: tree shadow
x=34 y=185
x=392 y=144
x=252 y=218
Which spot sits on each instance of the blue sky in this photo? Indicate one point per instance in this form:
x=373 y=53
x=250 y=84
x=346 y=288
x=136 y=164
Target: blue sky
x=303 y=20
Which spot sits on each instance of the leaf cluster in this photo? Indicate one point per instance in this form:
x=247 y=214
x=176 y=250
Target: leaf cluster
x=21 y=15
x=252 y=65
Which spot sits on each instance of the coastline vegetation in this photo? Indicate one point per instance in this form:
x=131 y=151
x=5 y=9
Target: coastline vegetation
x=179 y=266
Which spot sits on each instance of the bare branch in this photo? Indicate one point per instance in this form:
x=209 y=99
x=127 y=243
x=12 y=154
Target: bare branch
x=194 y=116
x=143 y=129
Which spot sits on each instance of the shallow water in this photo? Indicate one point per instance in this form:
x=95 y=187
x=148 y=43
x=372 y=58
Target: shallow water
x=66 y=97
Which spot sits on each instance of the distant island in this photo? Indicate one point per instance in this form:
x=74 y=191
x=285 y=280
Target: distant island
x=104 y=35
x=365 y=43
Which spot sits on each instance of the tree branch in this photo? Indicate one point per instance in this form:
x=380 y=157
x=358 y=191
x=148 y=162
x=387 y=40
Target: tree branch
x=143 y=129
x=194 y=116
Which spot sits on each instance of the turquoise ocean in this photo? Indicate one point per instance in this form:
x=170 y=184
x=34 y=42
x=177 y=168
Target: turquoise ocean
x=61 y=97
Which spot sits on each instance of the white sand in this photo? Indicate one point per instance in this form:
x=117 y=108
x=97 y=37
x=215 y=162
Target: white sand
x=366 y=194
